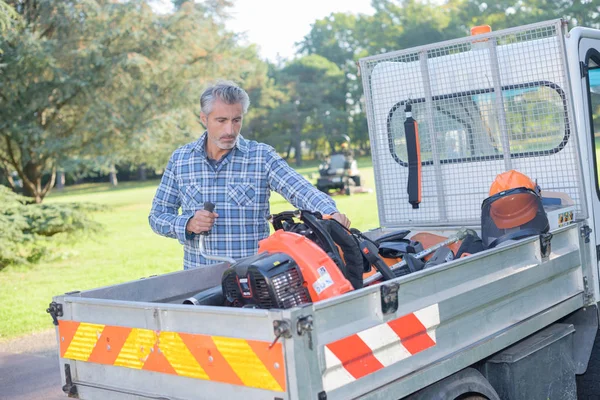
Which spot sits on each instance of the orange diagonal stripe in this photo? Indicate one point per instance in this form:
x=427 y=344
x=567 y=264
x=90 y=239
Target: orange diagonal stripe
x=66 y=331
x=412 y=333
x=157 y=362
x=205 y=351
x=272 y=358
x=356 y=357
x=109 y=345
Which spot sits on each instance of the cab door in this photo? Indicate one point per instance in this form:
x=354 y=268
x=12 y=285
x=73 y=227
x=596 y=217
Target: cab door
x=589 y=66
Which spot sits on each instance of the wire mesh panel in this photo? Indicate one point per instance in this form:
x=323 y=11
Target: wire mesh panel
x=484 y=105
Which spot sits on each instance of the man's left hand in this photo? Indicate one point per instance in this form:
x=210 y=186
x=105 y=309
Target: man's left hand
x=341 y=218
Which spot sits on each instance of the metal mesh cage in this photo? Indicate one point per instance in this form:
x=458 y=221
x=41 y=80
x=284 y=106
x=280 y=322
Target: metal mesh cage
x=468 y=133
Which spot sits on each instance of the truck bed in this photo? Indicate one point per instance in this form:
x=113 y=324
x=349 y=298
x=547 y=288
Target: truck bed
x=136 y=340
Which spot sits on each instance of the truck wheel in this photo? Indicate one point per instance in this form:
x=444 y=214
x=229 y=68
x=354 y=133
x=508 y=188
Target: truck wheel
x=465 y=384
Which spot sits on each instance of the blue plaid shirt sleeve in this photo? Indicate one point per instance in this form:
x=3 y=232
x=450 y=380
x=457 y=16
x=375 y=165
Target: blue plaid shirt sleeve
x=284 y=180
x=164 y=216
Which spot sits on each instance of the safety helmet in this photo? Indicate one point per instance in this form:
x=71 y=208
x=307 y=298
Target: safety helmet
x=514 y=208
x=510 y=180
x=514 y=204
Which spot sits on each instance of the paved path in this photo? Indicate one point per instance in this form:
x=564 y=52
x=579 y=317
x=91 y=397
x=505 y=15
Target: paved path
x=29 y=368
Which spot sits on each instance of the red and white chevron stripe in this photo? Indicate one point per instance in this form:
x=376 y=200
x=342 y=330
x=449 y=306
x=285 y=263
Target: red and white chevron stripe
x=365 y=352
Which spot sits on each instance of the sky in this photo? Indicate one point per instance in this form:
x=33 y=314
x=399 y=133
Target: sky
x=275 y=25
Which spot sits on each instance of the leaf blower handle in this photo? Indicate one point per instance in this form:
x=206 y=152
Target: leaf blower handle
x=210 y=207
x=370 y=251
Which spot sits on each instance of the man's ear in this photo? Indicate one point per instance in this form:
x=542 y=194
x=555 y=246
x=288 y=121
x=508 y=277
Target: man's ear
x=203 y=119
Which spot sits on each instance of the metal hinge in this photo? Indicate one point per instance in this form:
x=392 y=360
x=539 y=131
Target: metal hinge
x=281 y=328
x=545 y=245
x=583 y=68
x=69 y=388
x=55 y=310
x=389 y=297
x=588 y=296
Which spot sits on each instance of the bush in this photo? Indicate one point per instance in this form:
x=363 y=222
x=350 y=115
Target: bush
x=26 y=228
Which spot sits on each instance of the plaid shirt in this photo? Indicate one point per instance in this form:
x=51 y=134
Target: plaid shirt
x=239 y=185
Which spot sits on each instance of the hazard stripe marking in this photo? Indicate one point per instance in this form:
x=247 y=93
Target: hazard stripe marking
x=66 y=332
x=205 y=351
x=179 y=356
x=226 y=360
x=83 y=341
x=356 y=357
x=272 y=358
x=368 y=351
x=245 y=363
x=412 y=333
x=109 y=345
x=137 y=348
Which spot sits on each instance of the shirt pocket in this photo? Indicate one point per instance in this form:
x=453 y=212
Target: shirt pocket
x=241 y=191
x=193 y=197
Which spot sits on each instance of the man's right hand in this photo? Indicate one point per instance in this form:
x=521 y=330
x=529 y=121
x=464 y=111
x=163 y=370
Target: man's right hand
x=202 y=221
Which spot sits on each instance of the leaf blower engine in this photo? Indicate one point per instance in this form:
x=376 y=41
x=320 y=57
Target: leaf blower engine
x=298 y=264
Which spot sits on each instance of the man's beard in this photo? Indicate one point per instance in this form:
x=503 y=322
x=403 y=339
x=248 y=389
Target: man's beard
x=226 y=145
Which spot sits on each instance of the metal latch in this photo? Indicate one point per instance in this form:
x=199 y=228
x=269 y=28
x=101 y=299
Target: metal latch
x=585 y=231
x=583 y=69
x=304 y=325
x=389 y=297
x=281 y=328
x=55 y=310
x=545 y=245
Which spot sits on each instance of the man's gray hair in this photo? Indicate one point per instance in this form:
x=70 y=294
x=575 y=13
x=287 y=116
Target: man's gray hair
x=226 y=91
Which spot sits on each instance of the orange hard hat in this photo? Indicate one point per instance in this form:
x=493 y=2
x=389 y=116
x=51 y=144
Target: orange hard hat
x=514 y=209
x=510 y=180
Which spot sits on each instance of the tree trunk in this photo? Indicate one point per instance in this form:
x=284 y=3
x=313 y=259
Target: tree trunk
x=297 y=150
x=289 y=151
x=142 y=176
x=60 y=180
x=32 y=181
x=113 y=175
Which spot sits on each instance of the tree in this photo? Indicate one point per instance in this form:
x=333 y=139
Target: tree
x=314 y=87
x=510 y=13
x=336 y=38
x=7 y=16
x=106 y=82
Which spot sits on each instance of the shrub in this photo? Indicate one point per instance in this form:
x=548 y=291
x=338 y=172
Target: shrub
x=26 y=228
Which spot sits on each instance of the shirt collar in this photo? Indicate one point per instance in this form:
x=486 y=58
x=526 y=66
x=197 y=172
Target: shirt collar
x=200 y=146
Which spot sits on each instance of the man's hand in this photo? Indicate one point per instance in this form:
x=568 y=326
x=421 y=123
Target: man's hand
x=202 y=221
x=341 y=218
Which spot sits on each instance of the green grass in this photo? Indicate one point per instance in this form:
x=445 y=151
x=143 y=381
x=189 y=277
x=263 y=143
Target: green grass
x=127 y=249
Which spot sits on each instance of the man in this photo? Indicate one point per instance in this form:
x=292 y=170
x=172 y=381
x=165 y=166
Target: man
x=235 y=174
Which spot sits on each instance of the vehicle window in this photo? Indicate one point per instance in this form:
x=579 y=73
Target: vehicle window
x=594 y=103
x=466 y=125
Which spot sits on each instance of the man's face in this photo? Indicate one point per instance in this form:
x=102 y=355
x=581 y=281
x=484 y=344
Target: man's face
x=223 y=125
